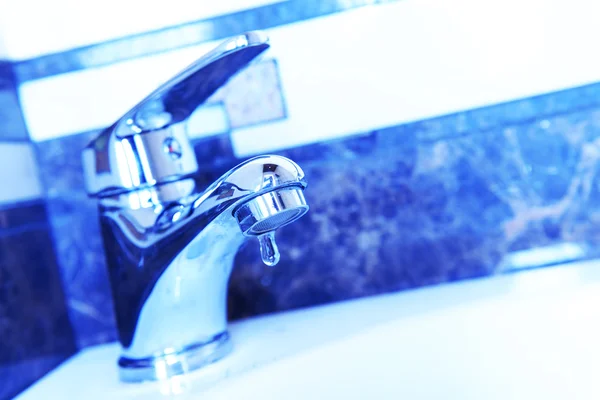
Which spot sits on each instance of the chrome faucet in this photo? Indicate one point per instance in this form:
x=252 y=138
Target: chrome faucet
x=169 y=242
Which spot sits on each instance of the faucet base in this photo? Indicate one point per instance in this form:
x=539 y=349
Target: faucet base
x=174 y=363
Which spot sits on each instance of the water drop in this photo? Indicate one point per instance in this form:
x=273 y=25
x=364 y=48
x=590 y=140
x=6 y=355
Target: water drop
x=268 y=249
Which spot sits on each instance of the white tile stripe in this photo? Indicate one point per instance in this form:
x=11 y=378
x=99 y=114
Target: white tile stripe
x=208 y=121
x=417 y=59
x=95 y=98
x=94 y=22
x=364 y=68
x=19 y=179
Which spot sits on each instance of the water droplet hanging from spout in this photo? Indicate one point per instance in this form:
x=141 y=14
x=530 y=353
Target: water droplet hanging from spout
x=268 y=249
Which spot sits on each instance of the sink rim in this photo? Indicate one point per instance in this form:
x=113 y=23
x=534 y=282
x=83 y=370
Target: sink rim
x=263 y=340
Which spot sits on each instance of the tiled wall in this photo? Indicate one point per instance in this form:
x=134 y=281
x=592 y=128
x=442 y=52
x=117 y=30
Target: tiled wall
x=35 y=330
x=433 y=154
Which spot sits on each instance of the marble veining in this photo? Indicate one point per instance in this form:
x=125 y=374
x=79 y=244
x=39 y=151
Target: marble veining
x=79 y=249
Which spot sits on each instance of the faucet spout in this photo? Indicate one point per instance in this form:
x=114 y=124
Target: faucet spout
x=169 y=261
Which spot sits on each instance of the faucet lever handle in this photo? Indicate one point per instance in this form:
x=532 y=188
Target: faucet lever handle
x=148 y=145
x=178 y=98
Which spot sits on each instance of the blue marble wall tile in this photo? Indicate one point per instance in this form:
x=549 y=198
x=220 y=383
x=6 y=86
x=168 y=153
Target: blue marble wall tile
x=391 y=209
x=427 y=212
x=61 y=170
x=6 y=75
x=74 y=220
x=22 y=216
x=12 y=125
x=218 y=27
x=34 y=324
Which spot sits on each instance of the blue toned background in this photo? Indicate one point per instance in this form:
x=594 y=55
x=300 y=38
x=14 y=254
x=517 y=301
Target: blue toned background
x=453 y=147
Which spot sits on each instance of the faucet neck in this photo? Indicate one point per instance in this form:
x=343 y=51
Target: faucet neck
x=172 y=308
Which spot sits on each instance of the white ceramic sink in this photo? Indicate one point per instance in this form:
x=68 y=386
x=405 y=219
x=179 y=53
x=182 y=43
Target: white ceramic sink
x=530 y=335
